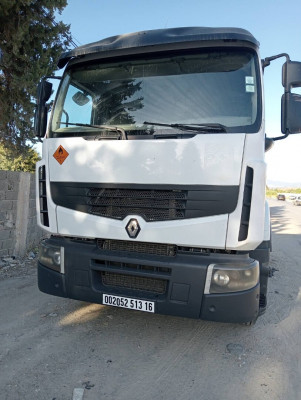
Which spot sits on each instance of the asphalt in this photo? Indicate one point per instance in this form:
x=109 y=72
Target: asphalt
x=56 y=349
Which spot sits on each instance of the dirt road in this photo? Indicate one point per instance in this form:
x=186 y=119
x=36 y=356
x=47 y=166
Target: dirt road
x=50 y=346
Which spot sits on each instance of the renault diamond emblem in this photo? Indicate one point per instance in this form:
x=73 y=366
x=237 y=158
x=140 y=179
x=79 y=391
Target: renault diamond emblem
x=133 y=228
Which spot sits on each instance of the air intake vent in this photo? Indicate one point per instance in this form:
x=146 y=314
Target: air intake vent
x=145 y=269
x=43 y=196
x=157 y=249
x=246 y=205
x=133 y=282
x=152 y=203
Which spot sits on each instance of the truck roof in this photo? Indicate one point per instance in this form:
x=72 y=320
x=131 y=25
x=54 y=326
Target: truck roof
x=157 y=37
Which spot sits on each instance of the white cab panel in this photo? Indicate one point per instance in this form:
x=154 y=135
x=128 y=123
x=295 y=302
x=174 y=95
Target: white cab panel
x=50 y=204
x=254 y=158
x=204 y=232
x=202 y=160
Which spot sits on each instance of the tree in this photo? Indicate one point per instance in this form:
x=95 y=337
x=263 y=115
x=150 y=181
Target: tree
x=12 y=160
x=30 y=44
x=117 y=102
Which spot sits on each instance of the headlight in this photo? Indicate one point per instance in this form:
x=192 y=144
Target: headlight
x=221 y=278
x=51 y=256
x=231 y=278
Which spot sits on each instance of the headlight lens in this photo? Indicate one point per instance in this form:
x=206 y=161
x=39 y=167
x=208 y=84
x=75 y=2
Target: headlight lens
x=51 y=256
x=56 y=257
x=221 y=278
x=231 y=278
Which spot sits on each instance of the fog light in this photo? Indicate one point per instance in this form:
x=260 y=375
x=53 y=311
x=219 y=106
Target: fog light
x=221 y=278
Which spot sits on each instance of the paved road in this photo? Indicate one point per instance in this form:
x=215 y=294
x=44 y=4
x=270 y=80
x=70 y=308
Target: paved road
x=51 y=346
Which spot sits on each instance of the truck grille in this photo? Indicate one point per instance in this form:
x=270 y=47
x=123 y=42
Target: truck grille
x=158 y=249
x=152 y=205
x=133 y=282
x=124 y=266
x=151 y=202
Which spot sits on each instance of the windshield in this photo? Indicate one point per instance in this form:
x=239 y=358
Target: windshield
x=210 y=87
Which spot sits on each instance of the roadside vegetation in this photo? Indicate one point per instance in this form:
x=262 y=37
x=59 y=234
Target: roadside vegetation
x=12 y=160
x=272 y=192
x=31 y=41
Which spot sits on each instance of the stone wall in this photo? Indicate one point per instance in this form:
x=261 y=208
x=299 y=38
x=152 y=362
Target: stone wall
x=18 y=227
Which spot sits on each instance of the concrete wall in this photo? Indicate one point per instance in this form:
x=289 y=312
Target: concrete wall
x=18 y=228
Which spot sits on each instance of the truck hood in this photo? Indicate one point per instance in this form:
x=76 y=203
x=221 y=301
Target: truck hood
x=195 y=162
x=191 y=161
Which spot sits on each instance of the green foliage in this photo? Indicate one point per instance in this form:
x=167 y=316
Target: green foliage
x=30 y=44
x=13 y=160
x=272 y=192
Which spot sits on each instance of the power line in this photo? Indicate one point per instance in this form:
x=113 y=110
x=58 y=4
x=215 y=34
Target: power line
x=52 y=19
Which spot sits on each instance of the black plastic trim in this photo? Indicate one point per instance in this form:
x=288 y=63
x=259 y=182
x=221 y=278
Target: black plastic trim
x=231 y=307
x=262 y=252
x=246 y=205
x=159 y=37
x=185 y=281
x=51 y=282
x=198 y=200
x=43 y=196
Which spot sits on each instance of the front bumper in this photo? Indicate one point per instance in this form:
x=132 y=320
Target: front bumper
x=175 y=283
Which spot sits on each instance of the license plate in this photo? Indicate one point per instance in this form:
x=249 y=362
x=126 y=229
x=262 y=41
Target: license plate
x=127 y=302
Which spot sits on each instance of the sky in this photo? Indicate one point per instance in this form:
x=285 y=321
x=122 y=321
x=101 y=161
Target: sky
x=274 y=23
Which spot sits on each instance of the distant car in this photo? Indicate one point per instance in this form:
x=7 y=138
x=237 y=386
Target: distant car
x=297 y=201
x=280 y=196
x=292 y=197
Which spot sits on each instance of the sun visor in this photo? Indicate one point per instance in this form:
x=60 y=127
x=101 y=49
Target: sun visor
x=138 y=40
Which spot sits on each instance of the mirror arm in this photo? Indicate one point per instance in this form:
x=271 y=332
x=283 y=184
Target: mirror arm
x=267 y=61
x=280 y=137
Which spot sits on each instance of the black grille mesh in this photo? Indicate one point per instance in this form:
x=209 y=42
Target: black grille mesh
x=152 y=205
x=141 y=194
x=134 y=282
x=159 y=249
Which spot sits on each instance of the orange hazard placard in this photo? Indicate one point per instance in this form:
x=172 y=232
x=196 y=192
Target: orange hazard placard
x=60 y=154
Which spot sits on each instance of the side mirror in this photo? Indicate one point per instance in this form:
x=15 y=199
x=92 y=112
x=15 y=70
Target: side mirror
x=291 y=102
x=44 y=91
x=40 y=118
x=291 y=75
x=290 y=113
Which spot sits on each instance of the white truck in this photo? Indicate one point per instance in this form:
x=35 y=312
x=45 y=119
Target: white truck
x=152 y=179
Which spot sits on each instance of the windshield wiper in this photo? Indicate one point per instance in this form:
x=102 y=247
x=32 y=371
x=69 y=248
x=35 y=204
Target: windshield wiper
x=204 y=128
x=106 y=127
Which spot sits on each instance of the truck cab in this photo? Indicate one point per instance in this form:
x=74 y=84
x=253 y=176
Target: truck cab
x=152 y=180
